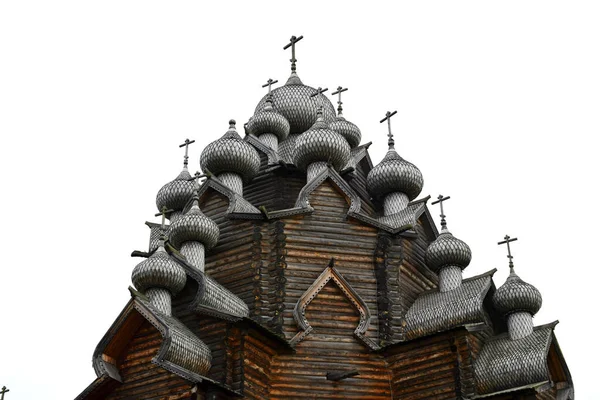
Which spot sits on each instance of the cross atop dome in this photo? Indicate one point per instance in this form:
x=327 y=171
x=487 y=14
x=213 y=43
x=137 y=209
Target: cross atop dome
x=388 y=116
x=164 y=211
x=269 y=83
x=507 y=240
x=292 y=43
x=317 y=92
x=339 y=92
x=441 y=200
x=185 y=157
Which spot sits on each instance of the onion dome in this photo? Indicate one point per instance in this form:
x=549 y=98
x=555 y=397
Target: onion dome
x=268 y=120
x=175 y=194
x=230 y=154
x=320 y=143
x=447 y=250
x=516 y=295
x=293 y=100
x=159 y=271
x=395 y=174
x=347 y=129
x=194 y=226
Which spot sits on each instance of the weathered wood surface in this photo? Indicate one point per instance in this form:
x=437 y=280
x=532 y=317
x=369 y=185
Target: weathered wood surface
x=141 y=378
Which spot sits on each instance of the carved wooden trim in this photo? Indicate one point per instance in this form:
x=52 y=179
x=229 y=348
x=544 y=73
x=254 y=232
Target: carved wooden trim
x=338 y=181
x=332 y=274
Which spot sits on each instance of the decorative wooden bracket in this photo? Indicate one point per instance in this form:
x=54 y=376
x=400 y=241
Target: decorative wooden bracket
x=330 y=273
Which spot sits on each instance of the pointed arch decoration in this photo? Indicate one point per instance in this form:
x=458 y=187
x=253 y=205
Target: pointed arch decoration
x=332 y=274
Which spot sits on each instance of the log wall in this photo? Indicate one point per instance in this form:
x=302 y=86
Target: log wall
x=141 y=378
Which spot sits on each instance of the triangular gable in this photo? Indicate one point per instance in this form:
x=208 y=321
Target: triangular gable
x=329 y=173
x=332 y=274
x=180 y=352
x=238 y=206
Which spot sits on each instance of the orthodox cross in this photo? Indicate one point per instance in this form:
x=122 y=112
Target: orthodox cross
x=164 y=211
x=316 y=93
x=186 y=144
x=4 y=390
x=388 y=116
x=339 y=93
x=441 y=200
x=292 y=43
x=269 y=83
x=507 y=240
x=196 y=178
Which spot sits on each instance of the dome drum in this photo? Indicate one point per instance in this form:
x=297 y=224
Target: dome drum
x=270 y=140
x=449 y=278
x=394 y=202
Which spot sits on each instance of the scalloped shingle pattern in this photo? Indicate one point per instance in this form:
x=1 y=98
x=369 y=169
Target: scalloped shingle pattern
x=159 y=271
x=321 y=144
x=505 y=364
x=347 y=129
x=299 y=109
x=395 y=174
x=516 y=295
x=185 y=350
x=175 y=194
x=194 y=226
x=446 y=250
x=435 y=311
x=230 y=154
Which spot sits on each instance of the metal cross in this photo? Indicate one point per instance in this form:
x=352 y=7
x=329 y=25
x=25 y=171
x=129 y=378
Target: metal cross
x=293 y=41
x=388 y=116
x=316 y=93
x=164 y=211
x=196 y=178
x=507 y=240
x=186 y=144
x=4 y=390
x=441 y=200
x=269 y=83
x=339 y=93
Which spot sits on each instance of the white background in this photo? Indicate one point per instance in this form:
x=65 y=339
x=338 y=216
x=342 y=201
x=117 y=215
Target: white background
x=497 y=105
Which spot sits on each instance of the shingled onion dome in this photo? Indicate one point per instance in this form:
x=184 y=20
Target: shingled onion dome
x=175 y=194
x=319 y=146
x=519 y=302
x=448 y=257
x=293 y=100
x=395 y=179
x=231 y=159
x=159 y=277
x=193 y=233
x=268 y=125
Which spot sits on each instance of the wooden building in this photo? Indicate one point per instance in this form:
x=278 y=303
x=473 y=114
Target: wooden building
x=299 y=270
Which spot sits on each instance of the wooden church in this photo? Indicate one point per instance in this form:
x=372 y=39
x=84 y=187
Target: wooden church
x=294 y=268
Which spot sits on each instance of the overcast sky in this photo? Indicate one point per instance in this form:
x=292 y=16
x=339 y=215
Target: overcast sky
x=497 y=105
